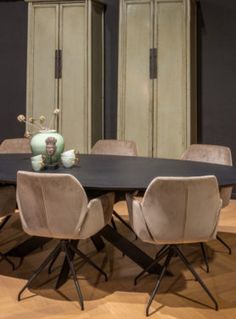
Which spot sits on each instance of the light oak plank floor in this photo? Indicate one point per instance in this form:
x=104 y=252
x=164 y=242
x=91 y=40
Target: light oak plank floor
x=180 y=296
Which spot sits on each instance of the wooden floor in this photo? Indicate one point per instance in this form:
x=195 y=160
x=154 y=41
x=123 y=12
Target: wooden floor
x=180 y=296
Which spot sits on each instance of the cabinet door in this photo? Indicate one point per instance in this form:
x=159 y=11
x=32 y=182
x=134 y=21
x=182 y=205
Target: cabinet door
x=73 y=96
x=135 y=86
x=170 y=88
x=96 y=116
x=42 y=86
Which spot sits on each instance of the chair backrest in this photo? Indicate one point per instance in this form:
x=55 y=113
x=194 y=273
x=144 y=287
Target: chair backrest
x=53 y=205
x=211 y=154
x=115 y=147
x=177 y=210
x=8 y=193
x=15 y=145
x=7 y=200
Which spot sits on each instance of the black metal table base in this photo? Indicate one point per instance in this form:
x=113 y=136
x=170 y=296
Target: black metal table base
x=33 y=243
x=124 y=245
x=98 y=242
x=27 y=246
x=128 y=248
x=108 y=233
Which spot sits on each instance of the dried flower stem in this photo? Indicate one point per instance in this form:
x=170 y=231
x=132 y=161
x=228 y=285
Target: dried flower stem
x=50 y=123
x=53 y=117
x=37 y=123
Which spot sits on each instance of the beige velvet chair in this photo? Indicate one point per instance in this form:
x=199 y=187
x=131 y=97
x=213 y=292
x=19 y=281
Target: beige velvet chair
x=7 y=202
x=15 y=145
x=212 y=154
x=7 y=194
x=173 y=211
x=7 y=207
x=115 y=147
x=56 y=206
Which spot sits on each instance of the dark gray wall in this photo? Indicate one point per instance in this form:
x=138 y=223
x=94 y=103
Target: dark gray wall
x=13 y=48
x=217 y=72
x=216 y=69
x=111 y=66
x=13 y=34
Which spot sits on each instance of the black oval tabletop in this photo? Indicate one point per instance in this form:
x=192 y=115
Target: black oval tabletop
x=121 y=173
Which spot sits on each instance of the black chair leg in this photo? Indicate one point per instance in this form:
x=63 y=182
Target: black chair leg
x=224 y=243
x=161 y=254
x=53 y=261
x=78 y=252
x=164 y=269
x=20 y=262
x=40 y=269
x=113 y=223
x=161 y=250
x=66 y=249
x=5 y=221
x=4 y=257
x=195 y=274
x=204 y=256
x=124 y=222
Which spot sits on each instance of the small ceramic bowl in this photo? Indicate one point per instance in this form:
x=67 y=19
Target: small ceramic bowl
x=68 y=162
x=38 y=158
x=37 y=162
x=37 y=165
x=70 y=153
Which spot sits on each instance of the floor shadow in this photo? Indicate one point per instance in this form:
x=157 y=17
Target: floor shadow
x=120 y=269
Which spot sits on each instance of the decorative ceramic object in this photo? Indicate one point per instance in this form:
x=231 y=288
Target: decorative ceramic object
x=70 y=153
x=37 y=162
x=48 y=143
x=69 y=158
x=68 y=161
x=38 y=158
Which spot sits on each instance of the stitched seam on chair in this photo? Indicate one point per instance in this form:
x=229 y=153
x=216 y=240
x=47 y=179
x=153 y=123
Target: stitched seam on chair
x=81 y=223
x=44 y=205
x=78 y=227
x=216 y=221
x=148 y=230
x=185 y=213
x=25 y=226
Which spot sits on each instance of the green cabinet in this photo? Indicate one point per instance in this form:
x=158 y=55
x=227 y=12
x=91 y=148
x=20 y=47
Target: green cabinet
x=65 y=67
x=157 y=76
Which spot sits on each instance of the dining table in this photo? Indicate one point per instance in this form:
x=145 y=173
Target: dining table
x=99 y=174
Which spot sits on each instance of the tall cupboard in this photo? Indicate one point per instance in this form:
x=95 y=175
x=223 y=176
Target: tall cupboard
x=65 y=67
x=157 y=76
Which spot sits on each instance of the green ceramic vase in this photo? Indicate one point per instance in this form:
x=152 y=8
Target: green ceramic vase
x=49 y=143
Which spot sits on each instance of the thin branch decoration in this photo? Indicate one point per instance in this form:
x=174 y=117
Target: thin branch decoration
x=38 y=123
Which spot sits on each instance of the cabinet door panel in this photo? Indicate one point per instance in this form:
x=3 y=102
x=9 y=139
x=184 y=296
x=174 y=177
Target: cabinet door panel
x=43 y=41
x=170 y=99
x=97 y=73
x=73 y=85
x=135 y=86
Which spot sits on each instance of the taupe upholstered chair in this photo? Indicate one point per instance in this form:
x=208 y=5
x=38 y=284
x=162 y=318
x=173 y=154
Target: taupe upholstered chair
x=212 y=154
x=115 y=147
x=7 y=207
x=7 y=203
x=15 y=145
x=56 y=206
x=7 y=193
x=173 y=211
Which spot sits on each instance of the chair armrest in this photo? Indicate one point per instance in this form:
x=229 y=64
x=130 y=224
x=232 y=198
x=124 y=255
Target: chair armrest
x=136 y=217
x=130 y=199
x=98 y=215
x=7 y=200
x=107 y=200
